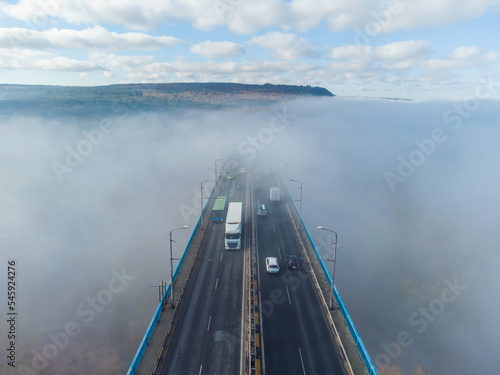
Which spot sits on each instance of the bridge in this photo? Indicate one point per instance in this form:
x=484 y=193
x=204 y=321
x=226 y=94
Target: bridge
x=229 y=316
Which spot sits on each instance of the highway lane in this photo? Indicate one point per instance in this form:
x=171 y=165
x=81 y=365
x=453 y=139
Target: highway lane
x=296 y=336
x=206 y=338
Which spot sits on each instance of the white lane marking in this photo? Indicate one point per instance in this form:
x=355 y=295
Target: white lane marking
x=216 y=283
x=302 y=360
x=287 y=292
x=201 y=367
x=221 y=255
x=274 y=226
x=209 y=320
x=279 y=251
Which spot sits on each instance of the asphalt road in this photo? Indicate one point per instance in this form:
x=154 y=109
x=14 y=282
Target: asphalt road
x=296 y=337
x=206 y=338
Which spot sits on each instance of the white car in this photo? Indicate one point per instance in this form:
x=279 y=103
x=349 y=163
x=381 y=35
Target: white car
x=272 y=265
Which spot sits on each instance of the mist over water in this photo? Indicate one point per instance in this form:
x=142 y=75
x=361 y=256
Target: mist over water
x=401 y=242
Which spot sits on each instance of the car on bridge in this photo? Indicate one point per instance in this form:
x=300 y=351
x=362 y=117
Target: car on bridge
x=272 y=265
x=293 y=262
x=261 y=210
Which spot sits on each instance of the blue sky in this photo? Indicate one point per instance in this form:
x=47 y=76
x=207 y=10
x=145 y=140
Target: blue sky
x=398 y=48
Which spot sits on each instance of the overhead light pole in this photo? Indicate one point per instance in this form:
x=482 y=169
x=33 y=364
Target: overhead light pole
x=215 y=171
x=172 y=265
x=334 y=260
x=286 y=168
x=300 y=200
x=216 y=168
x=201 y=201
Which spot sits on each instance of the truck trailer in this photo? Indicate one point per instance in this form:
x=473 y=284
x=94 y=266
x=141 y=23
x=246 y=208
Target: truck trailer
x=275 y=194
x=232 y=236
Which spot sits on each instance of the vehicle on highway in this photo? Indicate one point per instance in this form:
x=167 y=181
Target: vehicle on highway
x=272 y=265
x=293 y=262
x=240 y=185
x=233 y=226
x=230 y=176
x=275 y=194
x=243 y=170
x=261 y=210
x=219 y=209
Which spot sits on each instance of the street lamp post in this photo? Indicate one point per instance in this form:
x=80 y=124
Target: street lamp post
x=201 y=201
x=334 y=260
x=215 y=175
x=172 y=265
x=300 y=200
x=286 y=168
x=216 y=168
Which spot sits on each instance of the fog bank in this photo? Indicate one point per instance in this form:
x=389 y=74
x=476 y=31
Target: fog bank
x=410 y=188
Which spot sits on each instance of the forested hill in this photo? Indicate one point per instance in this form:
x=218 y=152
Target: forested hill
x=94 y=100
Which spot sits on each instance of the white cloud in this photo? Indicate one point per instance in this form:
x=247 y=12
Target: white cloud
x=411 y=49
x=285 y=46
x=463 y=56
x=248 y=17
x=96 y=37
x=397 y=55
x=218 y=50
x=428 y=13
x=15 y=59
x=465 y=52
x=244 y=16
x=351 y=53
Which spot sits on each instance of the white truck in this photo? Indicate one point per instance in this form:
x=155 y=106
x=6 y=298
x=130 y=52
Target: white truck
x=275 y=194
x=232 y=236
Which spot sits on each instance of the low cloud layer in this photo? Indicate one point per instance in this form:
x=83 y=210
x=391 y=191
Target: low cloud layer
x=411 y=189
